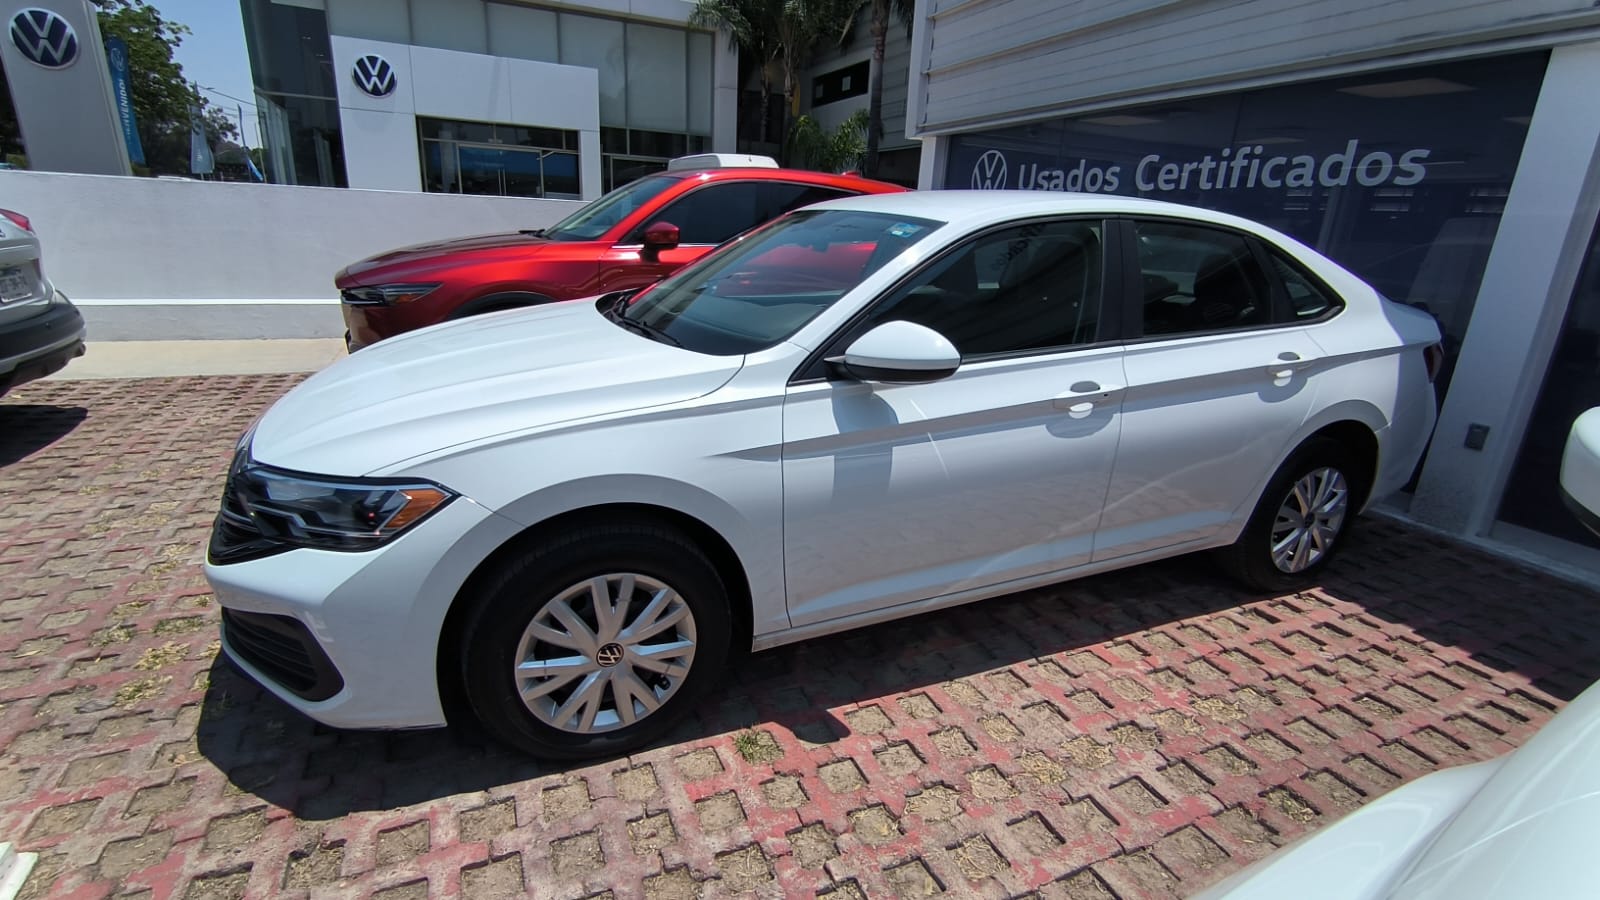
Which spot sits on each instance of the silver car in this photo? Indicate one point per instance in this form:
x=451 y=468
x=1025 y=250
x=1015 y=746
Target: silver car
x=40 y=330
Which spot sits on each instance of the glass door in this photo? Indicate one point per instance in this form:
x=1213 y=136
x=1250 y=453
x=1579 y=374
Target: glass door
x=1532 y=498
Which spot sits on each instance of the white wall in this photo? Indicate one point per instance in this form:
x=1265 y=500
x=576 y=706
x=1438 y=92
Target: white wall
x=154 y=258
x=380 y=133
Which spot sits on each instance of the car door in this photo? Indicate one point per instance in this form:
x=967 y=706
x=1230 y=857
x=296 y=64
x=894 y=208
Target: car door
x=706 y=216
x=1219 y=378
x=897 y=493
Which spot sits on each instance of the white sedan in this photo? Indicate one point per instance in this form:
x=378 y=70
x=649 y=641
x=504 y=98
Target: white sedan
x=563 y=520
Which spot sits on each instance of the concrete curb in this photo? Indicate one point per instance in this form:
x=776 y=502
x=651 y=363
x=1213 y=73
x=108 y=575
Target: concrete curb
x=166 y=359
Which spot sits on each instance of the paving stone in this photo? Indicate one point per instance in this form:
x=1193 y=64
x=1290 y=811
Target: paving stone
x=1141 y=734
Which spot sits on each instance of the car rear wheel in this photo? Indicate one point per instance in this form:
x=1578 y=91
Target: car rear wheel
x=1300 y=520
x=595 y=643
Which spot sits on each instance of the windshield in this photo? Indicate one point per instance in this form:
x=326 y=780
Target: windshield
x=762 y=288
x=588 y=223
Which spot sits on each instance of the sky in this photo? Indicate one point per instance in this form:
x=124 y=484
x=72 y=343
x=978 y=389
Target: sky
x=214 y=55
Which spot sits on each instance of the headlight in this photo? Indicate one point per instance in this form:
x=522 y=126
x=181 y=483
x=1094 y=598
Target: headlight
x=332 y=514
x=386 y=294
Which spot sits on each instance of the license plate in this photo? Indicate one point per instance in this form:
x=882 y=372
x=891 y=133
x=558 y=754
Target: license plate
x=14 y=285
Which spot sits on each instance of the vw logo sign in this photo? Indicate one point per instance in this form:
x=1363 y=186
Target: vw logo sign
x=989 y=172
x=44 y=38
x=374 y=76
x=609 y=655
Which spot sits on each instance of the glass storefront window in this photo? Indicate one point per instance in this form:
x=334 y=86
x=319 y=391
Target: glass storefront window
x=629 y=154
x=302 y=140
x=1532 y=497
x=505 y=160
x=288 y=48
x=1399 y=175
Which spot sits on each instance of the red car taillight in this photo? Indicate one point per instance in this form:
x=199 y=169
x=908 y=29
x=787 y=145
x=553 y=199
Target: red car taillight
x=17 y=219
x=1433 y=357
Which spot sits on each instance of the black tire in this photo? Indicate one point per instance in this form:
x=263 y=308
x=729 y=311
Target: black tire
x=513 y=596
x=1250 y=558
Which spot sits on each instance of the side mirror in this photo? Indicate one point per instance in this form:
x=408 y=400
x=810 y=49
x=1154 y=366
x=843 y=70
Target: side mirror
x=900 y=353
x=659 y=236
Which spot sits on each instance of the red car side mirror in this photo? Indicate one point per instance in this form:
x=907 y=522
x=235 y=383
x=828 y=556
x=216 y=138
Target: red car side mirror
x=658 y=237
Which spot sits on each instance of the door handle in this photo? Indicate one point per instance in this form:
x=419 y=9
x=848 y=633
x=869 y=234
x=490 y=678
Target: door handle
x=1287 y=363
x=1081 y=397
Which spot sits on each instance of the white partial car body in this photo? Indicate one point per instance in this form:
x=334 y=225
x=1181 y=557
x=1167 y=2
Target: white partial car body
x=844 y=500
x=40 y=330
x=1580 y=469
x=1521 y=826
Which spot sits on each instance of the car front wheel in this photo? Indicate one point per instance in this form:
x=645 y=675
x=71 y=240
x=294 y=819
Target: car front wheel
x=595 y=643
x=1300 y=520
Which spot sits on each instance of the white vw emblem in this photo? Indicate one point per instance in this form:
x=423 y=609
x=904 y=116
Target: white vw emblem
x=989 y=172
x=44 y=38
x=374 y=75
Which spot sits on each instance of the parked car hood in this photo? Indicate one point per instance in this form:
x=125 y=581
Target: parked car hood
x=1531 y=831
x=1523 y=825
x=474 y=379
x=419 y=258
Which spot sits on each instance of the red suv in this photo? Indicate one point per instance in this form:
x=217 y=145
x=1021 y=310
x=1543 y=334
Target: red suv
x=629 y=238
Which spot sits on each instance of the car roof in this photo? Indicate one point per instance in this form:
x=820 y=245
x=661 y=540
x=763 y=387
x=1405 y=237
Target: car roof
x=978 y=208
x=752 y=173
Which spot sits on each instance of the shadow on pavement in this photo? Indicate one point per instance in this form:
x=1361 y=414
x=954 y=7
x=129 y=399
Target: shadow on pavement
x=268 y=749
x=26 y=429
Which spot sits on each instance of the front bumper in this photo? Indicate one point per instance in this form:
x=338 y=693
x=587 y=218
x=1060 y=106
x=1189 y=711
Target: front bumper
x=374 y=616
x=40 y=344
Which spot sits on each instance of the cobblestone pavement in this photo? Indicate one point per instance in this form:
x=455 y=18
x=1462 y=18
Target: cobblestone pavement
x=1133 y=735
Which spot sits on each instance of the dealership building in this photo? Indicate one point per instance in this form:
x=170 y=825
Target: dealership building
x=556 y=100
x=1444 y=151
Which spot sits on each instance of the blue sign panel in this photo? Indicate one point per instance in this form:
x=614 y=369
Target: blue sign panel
x=117 y=61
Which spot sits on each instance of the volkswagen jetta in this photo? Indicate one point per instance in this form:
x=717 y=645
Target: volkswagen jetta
x=564 y=519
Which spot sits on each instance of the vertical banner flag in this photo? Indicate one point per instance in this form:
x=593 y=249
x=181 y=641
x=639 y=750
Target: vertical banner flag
x=117 y=60
x=249 y=163
x=200 y=161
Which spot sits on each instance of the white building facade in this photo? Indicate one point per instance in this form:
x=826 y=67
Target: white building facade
x=496 y=97
x=1444 y=151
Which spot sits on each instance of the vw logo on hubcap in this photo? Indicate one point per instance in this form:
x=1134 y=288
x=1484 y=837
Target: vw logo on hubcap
x=609 y=655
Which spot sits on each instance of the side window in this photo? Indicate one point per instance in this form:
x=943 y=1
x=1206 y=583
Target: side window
x=1031 y=287
x=779 y=197
x=1199 y=279
x=714 y=213
x=1306 y=300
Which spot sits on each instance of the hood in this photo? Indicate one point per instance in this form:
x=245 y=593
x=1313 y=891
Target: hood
x=420 y=258
x=1531 y=830
x=474 y=379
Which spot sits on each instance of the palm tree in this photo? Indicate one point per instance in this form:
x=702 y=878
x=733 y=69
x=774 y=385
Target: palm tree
x=881 y=9
x=752 y=30
x=781 y=31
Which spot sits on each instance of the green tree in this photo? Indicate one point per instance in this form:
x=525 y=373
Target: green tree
x=784 y=32
x=834 y=151
x=162 y=97
x=751 y=28
x=10 y=134
x=880 y=11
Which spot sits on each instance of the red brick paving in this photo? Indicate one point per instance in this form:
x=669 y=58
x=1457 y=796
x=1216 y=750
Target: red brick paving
x=1134 y=735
